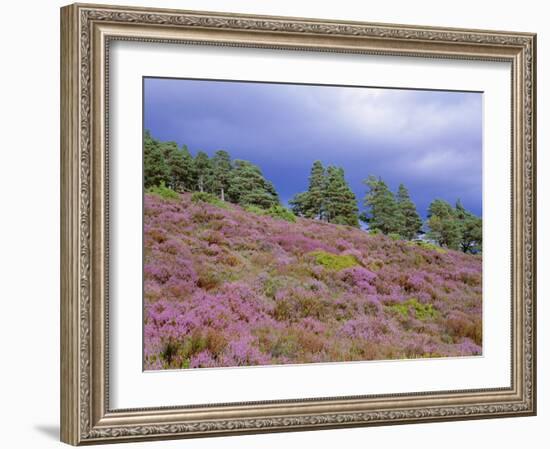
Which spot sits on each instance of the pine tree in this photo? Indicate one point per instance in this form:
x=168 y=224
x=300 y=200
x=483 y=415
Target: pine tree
x=412 y=223
x=383 y=213
x=188 y=180
x=314 y=206
x=311 y=204
x=249 y=187
x=471 y=229
x=444 y=225
x=460 y=211
x=179 y=166
x=203 y=170
x=298 y=204
x=155 y=169
x=328 y=197
x=221 y=173
x=340 y=203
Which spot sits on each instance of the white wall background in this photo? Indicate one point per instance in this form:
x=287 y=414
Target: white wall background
x=29 y=222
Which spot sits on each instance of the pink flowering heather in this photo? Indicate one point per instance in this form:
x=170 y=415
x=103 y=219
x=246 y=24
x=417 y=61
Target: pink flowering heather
x=227 y=287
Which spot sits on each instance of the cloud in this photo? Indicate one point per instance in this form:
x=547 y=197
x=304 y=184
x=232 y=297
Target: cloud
x=429 y=140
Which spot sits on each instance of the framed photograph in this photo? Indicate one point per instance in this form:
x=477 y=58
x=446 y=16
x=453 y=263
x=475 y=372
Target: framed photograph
x=278 y=224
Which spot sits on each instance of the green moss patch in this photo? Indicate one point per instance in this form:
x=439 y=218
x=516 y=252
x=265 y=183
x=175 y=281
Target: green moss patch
x=421 y=311
x=334 y=262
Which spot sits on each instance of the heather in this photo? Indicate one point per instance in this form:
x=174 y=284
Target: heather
x=225 y=286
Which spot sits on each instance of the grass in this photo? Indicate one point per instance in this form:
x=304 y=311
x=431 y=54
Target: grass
x=203 y=197
x=334 y=262
x=163 y=192
x=420 y=311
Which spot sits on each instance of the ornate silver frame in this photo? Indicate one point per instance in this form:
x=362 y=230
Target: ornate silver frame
x=86 y=32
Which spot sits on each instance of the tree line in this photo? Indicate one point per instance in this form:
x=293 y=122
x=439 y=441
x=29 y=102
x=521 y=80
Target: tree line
x=454 y=227
x=328 y=197
x=236 y=181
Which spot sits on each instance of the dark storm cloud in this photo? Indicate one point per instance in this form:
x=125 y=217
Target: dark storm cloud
x=430 y=141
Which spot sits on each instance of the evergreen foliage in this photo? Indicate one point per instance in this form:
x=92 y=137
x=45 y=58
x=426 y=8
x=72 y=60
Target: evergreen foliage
x=179 y=165
x=445 y=227
x=240 y=182
x=315 y=200
x=454 y=228
x=202 y=167
x=383 y=212
x=328 y=197
x=155 y=167
x=298 y=204
x=471 y=228
x=412 y=223
x=221 y=173
x=249 y=187
x=341 y=204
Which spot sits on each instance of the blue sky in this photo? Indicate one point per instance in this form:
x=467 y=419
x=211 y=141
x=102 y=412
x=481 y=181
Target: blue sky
x=429 y=140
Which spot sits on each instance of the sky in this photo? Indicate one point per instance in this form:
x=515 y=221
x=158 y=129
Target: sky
x=431 y=141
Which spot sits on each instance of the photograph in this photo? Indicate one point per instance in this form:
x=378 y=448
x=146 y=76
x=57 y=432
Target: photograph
x=286 y=220
x=289 y=223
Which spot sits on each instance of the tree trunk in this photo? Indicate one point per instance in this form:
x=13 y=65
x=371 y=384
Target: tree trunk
x=223 y=195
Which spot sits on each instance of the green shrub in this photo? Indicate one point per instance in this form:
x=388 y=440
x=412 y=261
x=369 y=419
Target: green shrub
x=334 y=261
x=254 y=209
x=164 y=192
x=281 y=213
x=277 y=211
x=427 y=245
x=203 y=197
x=394 y=236
x=421 y=311
x=375 y=231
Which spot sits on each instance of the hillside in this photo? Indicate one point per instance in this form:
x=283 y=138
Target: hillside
x=227 y=287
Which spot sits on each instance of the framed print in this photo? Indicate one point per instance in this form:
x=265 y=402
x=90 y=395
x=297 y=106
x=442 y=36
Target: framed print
x=279 y=224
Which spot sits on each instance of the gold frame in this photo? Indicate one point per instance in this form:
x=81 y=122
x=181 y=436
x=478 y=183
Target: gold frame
x=86 y=31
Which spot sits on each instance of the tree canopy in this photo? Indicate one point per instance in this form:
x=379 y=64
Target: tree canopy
x=411 y=224
x=454 y=227
x=382 y=210
x=241 y=182
x=328 y=196
x=341 y=204
x=221 y=172
x=249 y=187
x=155 y=168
